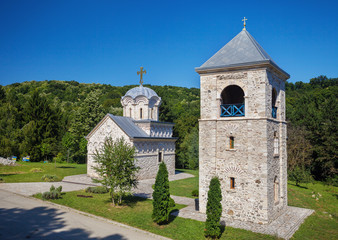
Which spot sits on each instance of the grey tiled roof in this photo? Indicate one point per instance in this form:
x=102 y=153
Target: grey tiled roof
x=141 y=91
x=240 y=51
x=128 y=126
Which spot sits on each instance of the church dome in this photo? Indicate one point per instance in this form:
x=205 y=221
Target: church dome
x=140 y=91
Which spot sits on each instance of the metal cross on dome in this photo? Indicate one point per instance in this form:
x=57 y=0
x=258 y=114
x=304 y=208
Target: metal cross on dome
x=244 y=20
x=141 y=72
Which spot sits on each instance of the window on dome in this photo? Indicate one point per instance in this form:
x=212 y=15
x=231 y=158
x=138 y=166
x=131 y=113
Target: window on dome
x=141 y=113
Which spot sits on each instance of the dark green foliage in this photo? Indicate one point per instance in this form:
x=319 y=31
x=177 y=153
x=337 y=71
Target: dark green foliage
x=49 y=178
x=40 y=130
x=62 y=108
x=98 y=190
x=314 y=107
x=54 y=193
x=117 y=168
x=161 y=196
x=79 y=108
x=2 y=93
x=300 y=175
x=194 y=193
x=214 y=210
x=189 y=150
x=172 y=204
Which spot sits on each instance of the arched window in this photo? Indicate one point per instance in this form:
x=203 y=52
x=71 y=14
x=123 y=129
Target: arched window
x=140 y=113
x=232 y=102
x=129 y=112
x=273 y=102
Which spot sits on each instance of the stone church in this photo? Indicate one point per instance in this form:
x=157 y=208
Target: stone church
x=140 y=127
x=242 y=131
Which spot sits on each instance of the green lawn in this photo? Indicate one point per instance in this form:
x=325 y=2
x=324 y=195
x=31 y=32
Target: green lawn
x=323 y=224
x=21 y=173
x=184 y=187
x=137 y=213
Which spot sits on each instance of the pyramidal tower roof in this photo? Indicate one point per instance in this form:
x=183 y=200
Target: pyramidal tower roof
x=243 y=50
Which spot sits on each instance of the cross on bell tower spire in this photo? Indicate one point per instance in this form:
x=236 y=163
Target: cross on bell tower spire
x=244 y=23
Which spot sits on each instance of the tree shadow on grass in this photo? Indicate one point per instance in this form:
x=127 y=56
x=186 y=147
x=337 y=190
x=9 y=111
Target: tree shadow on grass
x=128 y=201
x=65 y=167
x=10 y=174
x=298 y=186
x=172 y=217
x=41 y=223
x=222 y=227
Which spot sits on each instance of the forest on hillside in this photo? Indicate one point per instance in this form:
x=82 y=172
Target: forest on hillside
x=48 y=120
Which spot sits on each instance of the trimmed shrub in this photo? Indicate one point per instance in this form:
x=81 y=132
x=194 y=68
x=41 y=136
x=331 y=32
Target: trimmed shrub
x=54 y=193
x=36 y=170
x=194 y=193
x=50 y=178
x=214 y=210
x=97 y=190
x=161 y=196
x=1 y=179
x=172 y=203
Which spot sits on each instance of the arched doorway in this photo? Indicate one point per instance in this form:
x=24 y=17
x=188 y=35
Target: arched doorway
x=232 y=102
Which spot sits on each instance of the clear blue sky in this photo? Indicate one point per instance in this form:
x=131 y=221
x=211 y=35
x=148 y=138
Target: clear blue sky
x=107 y=41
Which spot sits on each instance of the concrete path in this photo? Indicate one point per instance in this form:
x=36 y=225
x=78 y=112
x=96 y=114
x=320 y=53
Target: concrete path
x=28 y=218
x=28 y=189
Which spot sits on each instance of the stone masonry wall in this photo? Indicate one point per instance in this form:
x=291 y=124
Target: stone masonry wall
x=96 y=140
x=252 y=162
x=147 y=155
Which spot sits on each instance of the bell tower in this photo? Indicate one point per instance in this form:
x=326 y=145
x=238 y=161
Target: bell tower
x=242 y=131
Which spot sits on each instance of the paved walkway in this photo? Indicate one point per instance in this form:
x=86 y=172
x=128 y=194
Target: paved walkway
x=25 y=217
x=284 y=226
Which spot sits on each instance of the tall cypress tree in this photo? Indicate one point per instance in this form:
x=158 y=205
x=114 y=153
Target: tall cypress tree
x=214 y=210
x=161 y=196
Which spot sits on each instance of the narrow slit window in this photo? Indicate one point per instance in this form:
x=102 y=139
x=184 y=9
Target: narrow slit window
x=232 y=183
x=129 y=112
x=276 y=190
x=275 y=144
x=232 y=142
x=141 y=113
x=159 y=156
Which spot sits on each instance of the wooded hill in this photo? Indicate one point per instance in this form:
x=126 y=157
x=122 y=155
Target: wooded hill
x=48 y=120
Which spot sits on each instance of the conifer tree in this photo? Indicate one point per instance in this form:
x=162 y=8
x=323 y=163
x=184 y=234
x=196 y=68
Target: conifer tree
x=214 y=210
x=161 y=196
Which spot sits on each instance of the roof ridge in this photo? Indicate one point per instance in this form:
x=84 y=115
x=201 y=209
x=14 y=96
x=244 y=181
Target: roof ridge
x=255 y=43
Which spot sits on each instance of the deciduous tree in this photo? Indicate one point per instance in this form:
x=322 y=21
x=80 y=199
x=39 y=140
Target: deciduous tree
x=116 y=167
